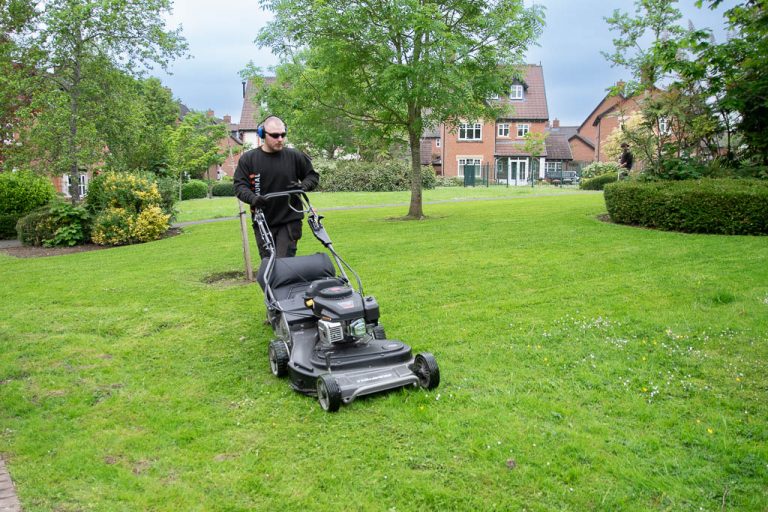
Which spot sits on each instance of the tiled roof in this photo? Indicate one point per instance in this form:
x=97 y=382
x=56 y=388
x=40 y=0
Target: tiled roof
x=513 y=148
x=568 y=131
x=588 y=141
x=558 y=148
x=533 y=106
x=251 y=114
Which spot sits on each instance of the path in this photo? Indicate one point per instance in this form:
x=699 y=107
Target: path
x=9 y=502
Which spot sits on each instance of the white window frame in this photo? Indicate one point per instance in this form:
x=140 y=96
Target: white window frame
x=516 y=92
x=437 y=143
x=503 y=130
x=476 y=130
x=82 y=184
x=471 y=160
x=553 y=166
x=523 y=129
x=664 y=126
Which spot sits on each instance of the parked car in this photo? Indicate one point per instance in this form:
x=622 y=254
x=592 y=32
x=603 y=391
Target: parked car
x=562 y=177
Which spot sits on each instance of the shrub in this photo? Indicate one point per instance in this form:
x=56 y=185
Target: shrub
x=717 y=206
x=150 y=225
x=598 y=169
x=449 y=181
x=682 y=169
x=8 y=225
x=112 y=227
x=356 y=176
x=20 y=193
x=169 y=194
x=597 y=183
x=56 y=224
x=71 y=222
x=36 y=227
x=129 y=191
x=131 y=207
x=223 y=189
x=194 y=189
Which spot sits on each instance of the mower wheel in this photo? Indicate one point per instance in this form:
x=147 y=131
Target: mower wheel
x=328 y=393
x=426 y=369
x=278 y=358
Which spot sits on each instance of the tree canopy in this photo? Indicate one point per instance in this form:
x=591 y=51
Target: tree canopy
x=703 y=97
x=77 y=54
x=399 y=66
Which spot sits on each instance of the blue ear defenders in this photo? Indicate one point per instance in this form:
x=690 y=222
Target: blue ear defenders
x=260 y=130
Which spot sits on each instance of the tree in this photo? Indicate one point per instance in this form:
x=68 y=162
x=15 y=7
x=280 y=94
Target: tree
x=535 y=144
x=138 y=127
x=79 y=49
x=399 y=66
x=16 y=16
x=678 y=117
x=194 y=145
x=314 y=127
x=655 y=20
x=740 y=70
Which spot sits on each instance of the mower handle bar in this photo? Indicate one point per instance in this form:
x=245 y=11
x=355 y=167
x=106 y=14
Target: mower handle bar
x=289 y=193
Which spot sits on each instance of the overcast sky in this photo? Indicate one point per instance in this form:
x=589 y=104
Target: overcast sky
x=221 y=33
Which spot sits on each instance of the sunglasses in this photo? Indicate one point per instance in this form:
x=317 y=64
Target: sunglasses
x=277 y=135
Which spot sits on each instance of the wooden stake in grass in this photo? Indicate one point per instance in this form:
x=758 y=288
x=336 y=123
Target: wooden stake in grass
x=246 y=246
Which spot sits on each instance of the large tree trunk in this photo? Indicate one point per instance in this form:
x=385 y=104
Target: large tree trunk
x=74 y=110
x=415 y=210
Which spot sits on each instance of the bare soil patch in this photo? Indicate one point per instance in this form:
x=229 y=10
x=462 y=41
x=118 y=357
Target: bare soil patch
x=31 y=251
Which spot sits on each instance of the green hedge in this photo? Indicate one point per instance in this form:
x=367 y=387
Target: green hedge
x=597 y=183
x=717 y=206
x=355 y=176
x=194 y=189
x=20 y=193
x=598 y=169
x=225 y=189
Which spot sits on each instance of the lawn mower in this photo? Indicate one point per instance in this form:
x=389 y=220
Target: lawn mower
x=328 y=339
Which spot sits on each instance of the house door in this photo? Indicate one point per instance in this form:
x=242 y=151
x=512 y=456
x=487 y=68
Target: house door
x=512 y=171
x=519 y=171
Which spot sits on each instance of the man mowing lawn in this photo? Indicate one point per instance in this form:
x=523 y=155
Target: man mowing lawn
x=272 y=167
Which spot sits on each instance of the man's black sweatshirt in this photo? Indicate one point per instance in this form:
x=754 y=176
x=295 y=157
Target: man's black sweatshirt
x=260 y=173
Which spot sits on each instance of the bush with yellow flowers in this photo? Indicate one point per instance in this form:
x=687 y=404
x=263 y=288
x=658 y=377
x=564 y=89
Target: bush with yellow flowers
x=128 y=208
x=150 y=224
x=112 y=226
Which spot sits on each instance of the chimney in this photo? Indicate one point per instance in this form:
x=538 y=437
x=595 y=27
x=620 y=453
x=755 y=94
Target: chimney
x=555 y=123
x=228 y=119
x=244 y=82
x=209 y=113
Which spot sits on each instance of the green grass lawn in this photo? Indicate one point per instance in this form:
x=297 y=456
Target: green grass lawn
x=221 y=207
x=585 y=366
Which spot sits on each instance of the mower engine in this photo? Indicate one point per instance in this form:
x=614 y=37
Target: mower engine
x=343 y=314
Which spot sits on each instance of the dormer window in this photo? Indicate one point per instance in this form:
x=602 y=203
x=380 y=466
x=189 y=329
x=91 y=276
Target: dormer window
x=516 y=93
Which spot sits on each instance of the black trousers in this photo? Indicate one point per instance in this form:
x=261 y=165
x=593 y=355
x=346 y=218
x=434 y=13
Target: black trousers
x=286 y=237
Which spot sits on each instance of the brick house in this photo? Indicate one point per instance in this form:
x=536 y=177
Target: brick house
x=231 y=146
x=251 y=115
x=495 y=149
x=607 y=117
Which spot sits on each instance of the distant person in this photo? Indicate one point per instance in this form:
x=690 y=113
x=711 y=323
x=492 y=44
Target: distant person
x=273 y=167
x=625 y=160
